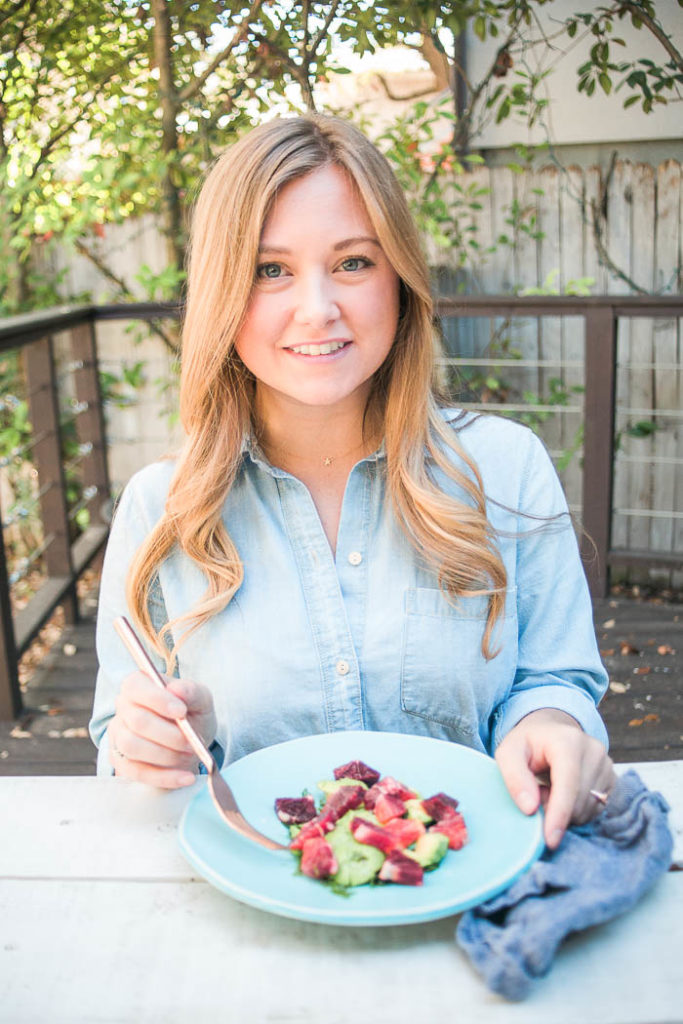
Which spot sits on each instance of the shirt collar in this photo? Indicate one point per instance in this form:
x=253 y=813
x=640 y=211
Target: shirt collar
x=253 y=450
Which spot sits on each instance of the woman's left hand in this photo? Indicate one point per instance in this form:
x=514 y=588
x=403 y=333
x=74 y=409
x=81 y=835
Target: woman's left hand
x=551 y=742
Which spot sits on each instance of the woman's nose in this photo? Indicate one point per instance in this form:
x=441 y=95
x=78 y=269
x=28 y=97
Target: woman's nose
x=316 y=305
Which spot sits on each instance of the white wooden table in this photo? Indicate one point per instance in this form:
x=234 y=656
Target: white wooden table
x=102 y=920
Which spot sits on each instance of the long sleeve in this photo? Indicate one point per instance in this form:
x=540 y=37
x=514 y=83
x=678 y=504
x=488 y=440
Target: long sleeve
x=131 y=524
x=558 y=663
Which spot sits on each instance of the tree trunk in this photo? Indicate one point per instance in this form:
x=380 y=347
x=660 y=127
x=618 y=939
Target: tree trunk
x=171 y=216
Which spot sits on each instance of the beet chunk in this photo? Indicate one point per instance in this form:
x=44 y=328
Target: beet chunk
x=295 y=810
x=401 y=870
x=440 y=806
x=357 y=770
x=344 y=799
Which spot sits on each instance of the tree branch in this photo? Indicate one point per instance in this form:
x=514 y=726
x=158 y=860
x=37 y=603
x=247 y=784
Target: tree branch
x=190 y=90
x=438 y=62
x=322 y=32
x=461 y=132
x=605 y=257
x=298 y=74
x=15 y=11
x=304 y=19
x=655 y=29
x=409 y=96
x=124 y=291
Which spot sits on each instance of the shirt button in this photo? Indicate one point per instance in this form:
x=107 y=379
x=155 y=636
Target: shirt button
x=342 y=667
x=355 y=558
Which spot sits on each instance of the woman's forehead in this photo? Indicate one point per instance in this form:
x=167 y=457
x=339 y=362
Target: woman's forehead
x=327 y=196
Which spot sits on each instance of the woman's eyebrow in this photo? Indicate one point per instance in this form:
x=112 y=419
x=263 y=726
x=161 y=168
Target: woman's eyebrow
x=343 y=244
x=354 y=241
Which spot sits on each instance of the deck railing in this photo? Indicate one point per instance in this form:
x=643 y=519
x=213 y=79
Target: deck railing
x=64 y=558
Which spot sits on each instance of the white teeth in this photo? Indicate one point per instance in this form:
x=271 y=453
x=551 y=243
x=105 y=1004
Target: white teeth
x=318 y=350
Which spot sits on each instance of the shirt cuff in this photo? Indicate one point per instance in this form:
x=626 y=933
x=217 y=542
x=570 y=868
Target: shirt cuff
x=561 y=698
x=104 y=765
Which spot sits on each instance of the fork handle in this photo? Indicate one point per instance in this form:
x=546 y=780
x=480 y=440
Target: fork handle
x=146 y=665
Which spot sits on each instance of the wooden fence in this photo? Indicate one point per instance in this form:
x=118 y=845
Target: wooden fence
x=620 y=227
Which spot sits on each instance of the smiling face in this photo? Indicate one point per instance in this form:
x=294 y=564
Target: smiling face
x=323 y=312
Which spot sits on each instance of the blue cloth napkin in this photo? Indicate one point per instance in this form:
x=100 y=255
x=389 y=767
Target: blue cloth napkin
x=599 y=870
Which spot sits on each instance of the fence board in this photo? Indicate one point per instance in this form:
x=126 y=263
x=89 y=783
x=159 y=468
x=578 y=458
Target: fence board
x=524 y=333
x=618 y=241
x=482 y=269
x=592 y=265
x=550 y=329
x=666 y=383
x=642 y=352
x=573 y=230
x=500 y=269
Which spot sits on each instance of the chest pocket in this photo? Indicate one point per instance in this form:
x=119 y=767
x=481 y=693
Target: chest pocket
x=444 y=675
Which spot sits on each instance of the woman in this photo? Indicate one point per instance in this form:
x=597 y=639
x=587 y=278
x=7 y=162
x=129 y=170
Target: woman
x=333 y=548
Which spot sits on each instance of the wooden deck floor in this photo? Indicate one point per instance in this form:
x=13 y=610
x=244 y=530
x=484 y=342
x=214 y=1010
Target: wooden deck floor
x=641 y=641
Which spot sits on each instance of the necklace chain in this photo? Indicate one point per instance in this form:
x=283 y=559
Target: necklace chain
x=326 y=460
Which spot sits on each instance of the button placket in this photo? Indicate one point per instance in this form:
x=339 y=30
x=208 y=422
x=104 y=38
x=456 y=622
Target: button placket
x=327 y=610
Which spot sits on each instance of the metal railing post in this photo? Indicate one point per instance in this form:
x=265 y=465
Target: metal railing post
x=47 y=456
x=598 y=444
x=10 y=693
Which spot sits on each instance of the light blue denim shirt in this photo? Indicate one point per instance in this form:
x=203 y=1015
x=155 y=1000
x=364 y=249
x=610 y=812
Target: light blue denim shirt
x=365 y=640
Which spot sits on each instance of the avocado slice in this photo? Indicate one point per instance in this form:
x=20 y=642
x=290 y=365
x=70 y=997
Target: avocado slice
x=357 y=862
x=430 y=849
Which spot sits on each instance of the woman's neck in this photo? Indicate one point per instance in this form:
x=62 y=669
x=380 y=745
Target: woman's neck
x=315 y=436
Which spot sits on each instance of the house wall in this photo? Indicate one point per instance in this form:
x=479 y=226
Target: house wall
x=572 y=117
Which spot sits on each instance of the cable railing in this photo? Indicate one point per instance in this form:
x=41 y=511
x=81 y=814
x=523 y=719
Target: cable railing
x=65 y=494
x=54 y=485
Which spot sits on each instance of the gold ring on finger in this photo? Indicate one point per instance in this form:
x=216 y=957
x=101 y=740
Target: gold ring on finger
x=119 y=753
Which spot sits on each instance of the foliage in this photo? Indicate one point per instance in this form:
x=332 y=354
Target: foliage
x=113 y=109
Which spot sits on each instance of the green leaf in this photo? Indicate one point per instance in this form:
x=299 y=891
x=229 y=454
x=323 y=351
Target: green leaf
x=605 y=82
x=643 y=428
x=480 y=27
x=503 y=110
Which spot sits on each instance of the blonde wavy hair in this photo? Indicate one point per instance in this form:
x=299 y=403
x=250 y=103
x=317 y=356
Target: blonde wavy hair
x=216 y=391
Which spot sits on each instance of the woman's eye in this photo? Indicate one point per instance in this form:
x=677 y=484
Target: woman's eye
x=355 y=263
x=269 y=271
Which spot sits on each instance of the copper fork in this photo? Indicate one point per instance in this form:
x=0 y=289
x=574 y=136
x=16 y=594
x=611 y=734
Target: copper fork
x=221 y=794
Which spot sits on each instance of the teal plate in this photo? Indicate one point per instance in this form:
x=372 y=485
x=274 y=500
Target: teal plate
x=503 y=842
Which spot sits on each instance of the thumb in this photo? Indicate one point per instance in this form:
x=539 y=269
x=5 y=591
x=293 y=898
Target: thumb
x=513 y=761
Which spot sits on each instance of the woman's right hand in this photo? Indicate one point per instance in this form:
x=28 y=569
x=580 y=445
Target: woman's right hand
x=145 y=741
